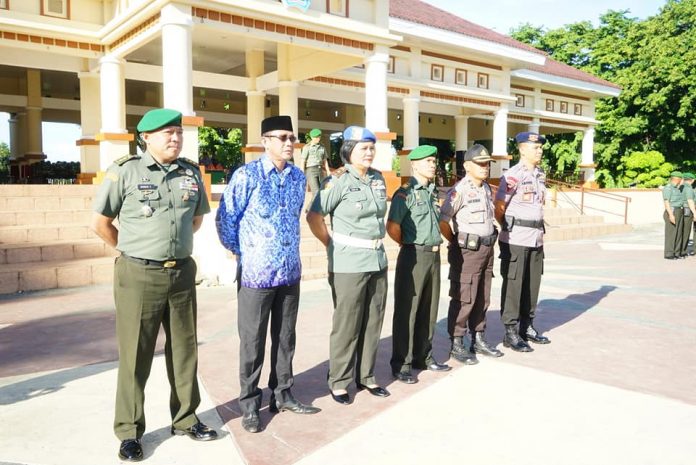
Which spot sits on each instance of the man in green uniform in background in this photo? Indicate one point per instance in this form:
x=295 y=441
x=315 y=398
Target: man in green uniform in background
x=314 y=158
x=413 y=223
x=673 y=216
x=159 y=200
x=688 y=197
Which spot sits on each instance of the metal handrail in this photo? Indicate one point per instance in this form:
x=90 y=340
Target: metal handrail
x=595 y=192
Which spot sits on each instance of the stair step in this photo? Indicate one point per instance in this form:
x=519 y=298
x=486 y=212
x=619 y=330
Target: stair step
x=55 y=250
x=584 y=231
x=55 y=274
x=43 y=233
x=34 y=217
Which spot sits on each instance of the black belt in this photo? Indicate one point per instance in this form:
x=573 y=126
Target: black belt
x=173 y=263
x=427 y=248
x=512 y=221
x=483 y=240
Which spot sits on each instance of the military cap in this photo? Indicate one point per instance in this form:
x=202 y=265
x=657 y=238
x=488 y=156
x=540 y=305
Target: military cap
x=676 y=174
x=359 y=134
x=478 y=154
x=315 y=133
x=533 y=137
x=159 y=118
x=689 y=176
x=422 y=151
x=273 y=123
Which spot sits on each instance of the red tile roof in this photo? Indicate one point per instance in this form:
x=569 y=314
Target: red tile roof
x=416 y=11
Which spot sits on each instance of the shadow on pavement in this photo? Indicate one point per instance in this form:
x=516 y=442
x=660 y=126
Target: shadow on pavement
x=557 y=312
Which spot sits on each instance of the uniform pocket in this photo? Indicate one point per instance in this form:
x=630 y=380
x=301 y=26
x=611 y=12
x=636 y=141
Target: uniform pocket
x=460 y=289
x=508 y=266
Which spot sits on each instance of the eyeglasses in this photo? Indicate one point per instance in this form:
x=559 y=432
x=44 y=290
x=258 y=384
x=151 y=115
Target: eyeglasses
x=283 y=138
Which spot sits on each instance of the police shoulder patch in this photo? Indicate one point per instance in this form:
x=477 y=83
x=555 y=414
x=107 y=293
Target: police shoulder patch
x=186 y=160
x=126 y=158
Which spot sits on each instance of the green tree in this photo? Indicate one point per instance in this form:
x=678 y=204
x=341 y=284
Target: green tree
x=4 y=158
x=644 y=169
x=222 y=144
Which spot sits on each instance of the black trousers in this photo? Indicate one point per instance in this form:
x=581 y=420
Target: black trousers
x=416 y=298
x=673 y=232
x=521 y=269
x=254 y=309
x=688 y=222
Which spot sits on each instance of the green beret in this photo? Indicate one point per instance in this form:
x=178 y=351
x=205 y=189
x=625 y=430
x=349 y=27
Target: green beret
x=422 y=151
x=676 y=174
x=315 y=133
x=159 y=118
x=689 y=176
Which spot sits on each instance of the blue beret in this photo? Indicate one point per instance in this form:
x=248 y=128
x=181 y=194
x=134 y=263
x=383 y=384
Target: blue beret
x=159 y=118
x=422 y=151
x=358 y=133
x=530 y=137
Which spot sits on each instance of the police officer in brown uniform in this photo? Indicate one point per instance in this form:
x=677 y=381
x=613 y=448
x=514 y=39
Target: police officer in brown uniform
x=159 y=199
x=519 y=208
x=469 y=206
x=413 y=224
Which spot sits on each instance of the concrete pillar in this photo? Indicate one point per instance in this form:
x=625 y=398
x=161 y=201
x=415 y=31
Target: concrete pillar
x=22 y=134
x=287 y=101
x=534 y=125
x=376 y=106
x=13 y=127
x=411 y=129
x=256 y=101
x=35 y=144
x=587 y=163
x=113 y=135
x=461 y=132
x=500 y=124
x=90 y=120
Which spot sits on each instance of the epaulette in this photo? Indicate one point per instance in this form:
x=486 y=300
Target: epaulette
x=190 y=162
x=339 y=172
x=405 y=185
x=126 y=158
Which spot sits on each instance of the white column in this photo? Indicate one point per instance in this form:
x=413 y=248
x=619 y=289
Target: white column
x=255 y=114
x=461 y=132
x=13 y=125
x=534 y=125
x=177 y=62
x=34 y=111
x=411 y=130
x=587 y=164
x=376 y=105
x=90 y=118
x=113 y=135
x=287 y=101
x=500 y=124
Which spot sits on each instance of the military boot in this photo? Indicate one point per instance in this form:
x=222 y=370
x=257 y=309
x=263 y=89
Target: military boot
x=480 y=346
x=514 y=341
x=529 y=333
x=461 y=353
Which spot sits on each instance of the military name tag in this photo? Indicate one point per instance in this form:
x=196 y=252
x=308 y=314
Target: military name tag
x=146 y=187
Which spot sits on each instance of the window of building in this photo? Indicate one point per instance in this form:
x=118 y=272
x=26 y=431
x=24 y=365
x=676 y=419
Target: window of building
x=437 y=72
x=549 y=104
x=460 y=76
x=577 y=109
x=57 y=8
x=391 y=66
x=520 y=100
x=4 y=4
x=483 y=80
x=337 y=7
x=564 y=107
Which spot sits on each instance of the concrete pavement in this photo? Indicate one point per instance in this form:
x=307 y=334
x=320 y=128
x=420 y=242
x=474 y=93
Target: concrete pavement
x=615 y=386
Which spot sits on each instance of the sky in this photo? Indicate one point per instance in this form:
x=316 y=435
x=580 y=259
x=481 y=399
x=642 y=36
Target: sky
x=499 y=15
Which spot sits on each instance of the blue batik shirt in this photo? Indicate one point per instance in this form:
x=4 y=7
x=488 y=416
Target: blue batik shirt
x=259 y=221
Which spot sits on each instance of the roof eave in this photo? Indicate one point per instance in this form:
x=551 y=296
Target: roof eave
x=603 y=90
x=450 y=38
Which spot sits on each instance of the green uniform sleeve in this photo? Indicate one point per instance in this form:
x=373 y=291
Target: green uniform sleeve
x=399 y=206
x=203 y=206
x=109 y=197
x=328 y=197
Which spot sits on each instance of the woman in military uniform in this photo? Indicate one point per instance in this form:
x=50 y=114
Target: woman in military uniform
x=355 y=197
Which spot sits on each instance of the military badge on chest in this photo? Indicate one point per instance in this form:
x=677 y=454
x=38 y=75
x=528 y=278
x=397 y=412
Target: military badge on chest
x=189 y=187
x=146 y=190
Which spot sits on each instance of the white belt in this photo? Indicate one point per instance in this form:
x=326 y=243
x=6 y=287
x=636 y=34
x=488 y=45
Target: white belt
x=356 y=242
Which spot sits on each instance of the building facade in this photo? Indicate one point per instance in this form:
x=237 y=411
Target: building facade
x=400 y=67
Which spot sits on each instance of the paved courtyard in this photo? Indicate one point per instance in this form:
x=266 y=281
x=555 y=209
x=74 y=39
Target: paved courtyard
x=616 y=386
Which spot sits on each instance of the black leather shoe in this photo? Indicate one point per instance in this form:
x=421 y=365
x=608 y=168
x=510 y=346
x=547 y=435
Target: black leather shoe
x=405 y=377
x=480 y=346
x=292 y=405
x=532 y=335
x=130 y=450
x=514 y=341
x=432 y=366
x=375 y=391
x=343 y=399
x=251 y=422
x=197 y=432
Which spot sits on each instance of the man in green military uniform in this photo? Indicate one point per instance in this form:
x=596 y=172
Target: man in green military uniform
x=413 y=223
x=159 y=199
x=314 y=158
x=673 y=216
x=688 y=197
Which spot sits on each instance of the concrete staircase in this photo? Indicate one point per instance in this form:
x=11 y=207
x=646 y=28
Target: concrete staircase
x=45 y=242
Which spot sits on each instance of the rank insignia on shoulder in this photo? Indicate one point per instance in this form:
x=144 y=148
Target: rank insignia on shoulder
x=339 y=172
x=401 y=195
x=405 y=185
x=126 y=158
x=186 y=160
